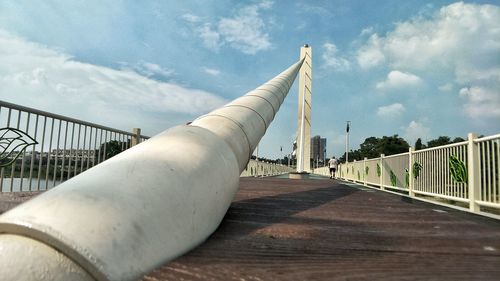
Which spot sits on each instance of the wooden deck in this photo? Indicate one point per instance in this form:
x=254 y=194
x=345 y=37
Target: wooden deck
x=280 y=229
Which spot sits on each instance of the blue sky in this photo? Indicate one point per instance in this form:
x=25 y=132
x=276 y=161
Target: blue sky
x=412 y=68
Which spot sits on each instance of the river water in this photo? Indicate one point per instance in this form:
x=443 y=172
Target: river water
x=23 y=184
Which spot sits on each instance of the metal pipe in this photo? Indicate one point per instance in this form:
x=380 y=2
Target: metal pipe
x=148 y=205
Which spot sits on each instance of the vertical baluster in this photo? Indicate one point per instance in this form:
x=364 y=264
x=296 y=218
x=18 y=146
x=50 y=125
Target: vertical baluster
x=88 y=150
x=497 y=171
x=1 y=169
x=482 y=167
x=21 y=174
x=50 y=149
x=42 y=150
x=13 y=170
x=33 y=151
x=71 y=151
x=64 y=151
x=122 y=141
x=83 y=149
x=440 y=171
x=77 y=148
x=95 y=148
x=100 y=146
x=105 y=144
x=488 y=171
x=464 y=159
x=57 y=154
x=433 y=169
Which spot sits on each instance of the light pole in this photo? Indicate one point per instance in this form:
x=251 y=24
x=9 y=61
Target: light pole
x=347 y=142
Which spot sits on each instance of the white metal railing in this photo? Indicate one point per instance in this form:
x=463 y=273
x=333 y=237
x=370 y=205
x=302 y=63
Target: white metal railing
x=462 y=175
x=261 y=169
x=61 y=147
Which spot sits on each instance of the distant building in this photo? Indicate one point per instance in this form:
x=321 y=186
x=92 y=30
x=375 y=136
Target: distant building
x=318 y=149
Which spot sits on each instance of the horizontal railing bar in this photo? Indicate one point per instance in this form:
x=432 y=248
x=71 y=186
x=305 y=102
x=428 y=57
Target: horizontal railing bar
x=440 y=147
x=63 y=118
x=497 y=136
x=459 y=199
x=488 y=204
x=395 y=155
x=395 y=187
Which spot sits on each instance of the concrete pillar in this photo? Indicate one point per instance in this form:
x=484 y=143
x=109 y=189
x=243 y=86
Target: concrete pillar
x=304 y=111
x=136 y=138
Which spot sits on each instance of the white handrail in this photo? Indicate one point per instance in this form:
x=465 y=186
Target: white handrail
x=147 y=205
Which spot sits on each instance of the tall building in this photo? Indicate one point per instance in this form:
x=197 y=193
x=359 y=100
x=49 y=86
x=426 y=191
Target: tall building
x=318 y=149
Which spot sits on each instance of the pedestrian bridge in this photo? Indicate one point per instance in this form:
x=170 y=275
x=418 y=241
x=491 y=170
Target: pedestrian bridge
x=127 y=206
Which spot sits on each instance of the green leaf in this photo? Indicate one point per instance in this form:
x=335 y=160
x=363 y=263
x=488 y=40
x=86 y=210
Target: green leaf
x=379 y=171
x=458 y=170
x=393 y=178
x=367 y=169
x=416 y=169
x=359 y=178
x=12 y=143
x=407 y=178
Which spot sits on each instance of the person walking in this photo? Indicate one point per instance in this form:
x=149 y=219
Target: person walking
x=333 y=164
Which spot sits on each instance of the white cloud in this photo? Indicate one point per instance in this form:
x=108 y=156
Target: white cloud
x=446 y=87
x=397 y=79
x=211 y=39
x=148 y=69
x=461 y=41
x=366 y=31
x=460 y=35
x=392 y=110
x=191 y=18
x=245 y=31
x=211 y=71
x=416 y=130
x=481 y=102
x=331 y=59
x=371 y=54
x=52 y=80
x=313 y=9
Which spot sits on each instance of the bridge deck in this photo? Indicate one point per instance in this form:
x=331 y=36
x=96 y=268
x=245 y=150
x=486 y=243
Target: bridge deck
x=279 y=229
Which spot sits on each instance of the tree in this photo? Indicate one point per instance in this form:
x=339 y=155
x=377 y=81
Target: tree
x=372 y=147
x=442 y=140
x=112 y=148
x=418 y=144
x=393 y=145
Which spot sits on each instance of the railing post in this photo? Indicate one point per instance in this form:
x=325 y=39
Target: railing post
x=473 y=172
x=410 y=172
x=364 y=171
x=354 y=171
x=382 y=171
x=136 y=138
